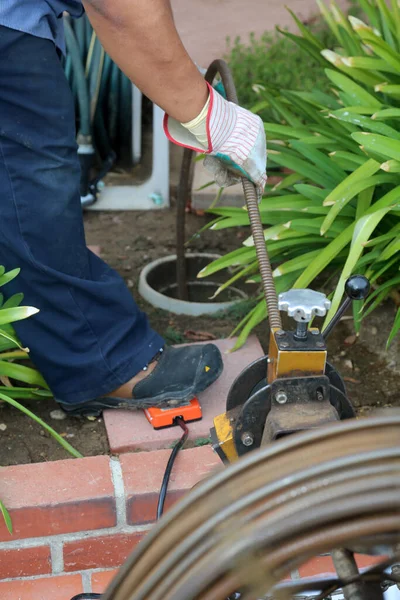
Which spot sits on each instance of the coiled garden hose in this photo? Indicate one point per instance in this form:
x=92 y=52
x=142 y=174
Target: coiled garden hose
x=250 y=194
x=103 y=102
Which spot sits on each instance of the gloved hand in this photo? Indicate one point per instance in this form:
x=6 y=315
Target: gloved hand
x=232 y=138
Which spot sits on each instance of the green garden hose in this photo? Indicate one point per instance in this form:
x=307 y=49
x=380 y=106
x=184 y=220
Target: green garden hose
x=75 y=71
x=103 y=103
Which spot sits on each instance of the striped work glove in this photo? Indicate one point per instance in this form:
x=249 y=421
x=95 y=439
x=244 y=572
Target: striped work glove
x=232 y=138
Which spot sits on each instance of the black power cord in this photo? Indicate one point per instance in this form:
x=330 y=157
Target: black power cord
x=87 y=597
x=164 y=486
x=163 y=491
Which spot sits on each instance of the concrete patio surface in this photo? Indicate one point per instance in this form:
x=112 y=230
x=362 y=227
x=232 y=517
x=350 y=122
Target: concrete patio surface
x=205 y=24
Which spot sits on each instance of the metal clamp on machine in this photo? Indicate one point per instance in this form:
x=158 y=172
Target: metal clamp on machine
x=291 y=389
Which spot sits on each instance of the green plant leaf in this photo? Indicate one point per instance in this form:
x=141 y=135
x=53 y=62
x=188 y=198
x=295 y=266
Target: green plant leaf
x=381 y=297
x=7 y=277
x=296 y=264
x=305 y=45
x=343 y=142
x=205 y=185
x=379 y=143
x=287 y=203
x=271 y=233
x=6 y=517
x=320 y=160
x=366 y=123
x=306 y=33
x=373 y=275
x=367 y=78
x=392 y=283
x=369 y=63
x=387 y=113
x=287 y=182
x=256 y=108
x=347 y=160
x=13 y=301
x=395 y=329
x=284 y=111
x=313 y=193
x=357 y=317
x=305 y=169
x=396 y=16
x=302 y=107
x=314 y=225
x=362 y=232
x=329 y=19
x=357 y=94
x=387 y=24
x=25 y=393
x=391 y=249
x=22 y=373
x=381 y=48
x=241 y=256
x=11 y=338
x=10 y=315
x=388 y=89
x=355 y=188
x=283 y=131
x=386 y=237
x=241 y=273
x=325 y=257
x=388 y=200
x=318 y=99
x=364 y=201
x=391 y=166
x=42 y=423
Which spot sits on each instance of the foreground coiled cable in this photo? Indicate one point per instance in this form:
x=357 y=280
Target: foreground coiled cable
x=220 y=67
x=251 y=524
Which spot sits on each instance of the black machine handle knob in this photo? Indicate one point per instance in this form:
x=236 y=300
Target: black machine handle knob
x=357 y=287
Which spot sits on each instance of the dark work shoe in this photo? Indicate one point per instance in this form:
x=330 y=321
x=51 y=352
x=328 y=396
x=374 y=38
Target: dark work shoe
x=180 y=374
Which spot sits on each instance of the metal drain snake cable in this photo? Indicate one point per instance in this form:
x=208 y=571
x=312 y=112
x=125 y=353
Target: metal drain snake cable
x=250 y=194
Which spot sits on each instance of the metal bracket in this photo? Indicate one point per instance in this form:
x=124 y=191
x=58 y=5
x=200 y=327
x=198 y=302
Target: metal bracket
x=288 y=340
x=298 y=404
x=152 y=194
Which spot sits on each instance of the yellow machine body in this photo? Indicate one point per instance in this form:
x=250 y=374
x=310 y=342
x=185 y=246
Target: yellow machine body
x=281 y=364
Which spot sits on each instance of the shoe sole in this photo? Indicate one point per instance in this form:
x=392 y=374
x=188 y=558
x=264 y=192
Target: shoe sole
x=164 y=400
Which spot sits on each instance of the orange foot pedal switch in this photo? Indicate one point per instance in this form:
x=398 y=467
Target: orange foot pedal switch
x=164 y=417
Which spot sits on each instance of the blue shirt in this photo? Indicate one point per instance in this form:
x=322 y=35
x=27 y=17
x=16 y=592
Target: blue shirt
x=42 y=18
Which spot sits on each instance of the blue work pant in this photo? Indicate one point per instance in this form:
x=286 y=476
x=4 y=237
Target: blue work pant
x=89 y=337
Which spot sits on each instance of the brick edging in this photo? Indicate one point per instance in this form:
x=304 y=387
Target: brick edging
x=117 y=497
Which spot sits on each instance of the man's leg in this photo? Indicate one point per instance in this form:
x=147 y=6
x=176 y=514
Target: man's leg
x=90 y=339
